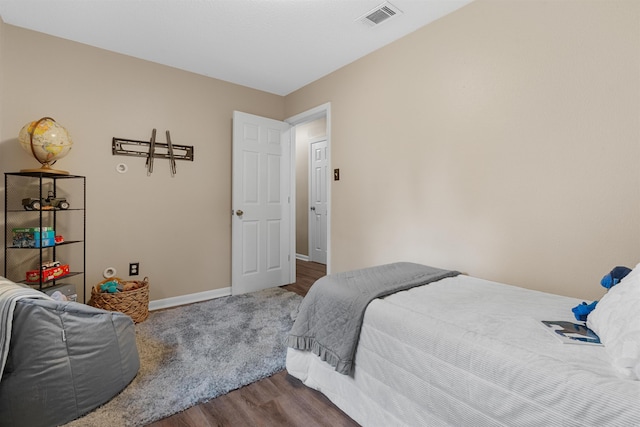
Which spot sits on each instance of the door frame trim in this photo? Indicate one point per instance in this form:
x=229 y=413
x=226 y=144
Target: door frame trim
x=320 y=111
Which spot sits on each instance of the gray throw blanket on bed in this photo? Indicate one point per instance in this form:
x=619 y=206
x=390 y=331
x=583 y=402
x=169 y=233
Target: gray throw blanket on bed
x=330 y=316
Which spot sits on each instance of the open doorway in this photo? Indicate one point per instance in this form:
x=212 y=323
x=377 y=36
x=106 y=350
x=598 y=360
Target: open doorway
x=312 y=197
x=311 y=191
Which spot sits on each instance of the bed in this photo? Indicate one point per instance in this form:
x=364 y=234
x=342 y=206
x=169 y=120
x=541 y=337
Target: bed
x=463 y=351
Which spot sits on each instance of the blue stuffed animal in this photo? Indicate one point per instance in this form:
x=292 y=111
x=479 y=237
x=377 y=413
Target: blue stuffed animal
x=111 y=287
x=614 y=277
x=582 y=310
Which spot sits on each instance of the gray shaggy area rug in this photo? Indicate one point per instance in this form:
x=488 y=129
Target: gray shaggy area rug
x=194 y=353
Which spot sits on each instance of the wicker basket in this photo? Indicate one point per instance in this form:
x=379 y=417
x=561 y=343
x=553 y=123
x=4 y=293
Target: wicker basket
x=134 y=303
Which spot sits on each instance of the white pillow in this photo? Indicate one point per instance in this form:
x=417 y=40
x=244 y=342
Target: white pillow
x=616 y=320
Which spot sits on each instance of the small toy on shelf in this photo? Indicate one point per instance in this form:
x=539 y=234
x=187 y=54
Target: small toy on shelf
x=48 y=203
x=48 y=273
x=33 y=237
x=59 y=296
x=50 y=264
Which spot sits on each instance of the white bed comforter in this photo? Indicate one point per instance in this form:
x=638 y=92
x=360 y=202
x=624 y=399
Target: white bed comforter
x=469 y=352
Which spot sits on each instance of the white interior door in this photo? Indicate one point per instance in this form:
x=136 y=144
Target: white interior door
x=318 y=200
x=260 y=229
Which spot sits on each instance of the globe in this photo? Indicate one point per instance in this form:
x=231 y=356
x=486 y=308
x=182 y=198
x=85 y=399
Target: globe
x=47 y=141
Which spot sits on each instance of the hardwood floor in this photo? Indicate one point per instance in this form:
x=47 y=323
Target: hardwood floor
x=306 y=275
x=280 y=400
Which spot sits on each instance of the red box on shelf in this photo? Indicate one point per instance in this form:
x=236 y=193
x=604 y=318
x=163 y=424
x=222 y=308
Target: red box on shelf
x=52 y=273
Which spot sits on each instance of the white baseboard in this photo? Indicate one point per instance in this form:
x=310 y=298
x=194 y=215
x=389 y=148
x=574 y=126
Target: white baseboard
x=302 y=257
x=189 y=299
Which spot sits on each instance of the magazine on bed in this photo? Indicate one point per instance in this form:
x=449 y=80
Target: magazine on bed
x=571 y=333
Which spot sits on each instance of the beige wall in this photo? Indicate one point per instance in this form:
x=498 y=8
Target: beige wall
x=502 y=140
x=177 y=228
x=305 y=134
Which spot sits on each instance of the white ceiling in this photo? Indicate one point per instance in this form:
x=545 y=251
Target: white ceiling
x=277 y=46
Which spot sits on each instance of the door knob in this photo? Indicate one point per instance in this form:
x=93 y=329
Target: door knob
x=313 y=208
x=239 y=212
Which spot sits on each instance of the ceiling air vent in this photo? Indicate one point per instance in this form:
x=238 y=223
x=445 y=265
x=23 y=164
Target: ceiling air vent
x=380 y=14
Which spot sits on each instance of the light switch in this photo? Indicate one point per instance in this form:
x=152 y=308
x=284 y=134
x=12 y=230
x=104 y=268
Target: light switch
x=336 y=174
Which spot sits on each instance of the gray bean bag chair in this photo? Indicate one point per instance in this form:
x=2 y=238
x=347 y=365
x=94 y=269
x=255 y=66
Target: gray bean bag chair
x=64 y=359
